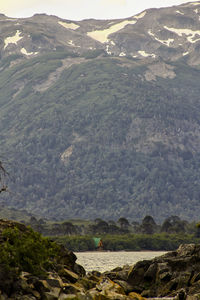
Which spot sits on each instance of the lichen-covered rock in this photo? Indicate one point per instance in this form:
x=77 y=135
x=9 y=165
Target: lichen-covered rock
x=68 y=275
x=87 y=283
x=106 y=285
x=135 y=296
x=125 y=285
x=72 y=288
x=119 y=273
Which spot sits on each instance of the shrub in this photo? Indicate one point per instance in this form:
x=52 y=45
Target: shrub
x=27 y=251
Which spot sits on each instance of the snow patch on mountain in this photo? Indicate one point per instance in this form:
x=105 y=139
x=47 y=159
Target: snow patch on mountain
x=188 y=4
x=145 y=54
x=194 y=3
x=179 y=12
x=108 y=50
x=164 y=42
x=188 y=32
x=122 y=54
x=102 y=35
x=72 y=26
x=140 y=15
x=71 y=43
x=13 y=39
x=24 y=51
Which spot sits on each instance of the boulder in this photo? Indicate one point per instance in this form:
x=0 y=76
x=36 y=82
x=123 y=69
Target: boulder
x=169 y=274
x=68 y=275
x=106 y=285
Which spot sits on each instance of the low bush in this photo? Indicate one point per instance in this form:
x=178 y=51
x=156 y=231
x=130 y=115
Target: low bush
x=27 y=251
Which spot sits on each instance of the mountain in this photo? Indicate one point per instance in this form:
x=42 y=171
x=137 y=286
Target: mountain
x=101 y=118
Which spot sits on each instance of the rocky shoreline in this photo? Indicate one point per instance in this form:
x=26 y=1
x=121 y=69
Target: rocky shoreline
x=174 y=275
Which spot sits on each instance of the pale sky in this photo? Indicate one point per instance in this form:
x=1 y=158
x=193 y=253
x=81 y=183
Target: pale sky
x=82 y=9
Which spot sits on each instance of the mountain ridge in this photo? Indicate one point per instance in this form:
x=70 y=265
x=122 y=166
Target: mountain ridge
x=113 y=35
x=91 y=132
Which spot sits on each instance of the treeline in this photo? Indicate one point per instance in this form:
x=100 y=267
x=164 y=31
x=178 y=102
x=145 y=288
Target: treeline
x=171 y=225
x=128 y=242
x=77 y=235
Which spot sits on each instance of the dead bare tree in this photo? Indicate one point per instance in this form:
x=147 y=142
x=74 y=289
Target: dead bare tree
x=3 y=174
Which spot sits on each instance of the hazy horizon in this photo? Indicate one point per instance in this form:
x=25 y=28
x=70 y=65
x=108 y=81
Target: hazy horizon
x=82 y=9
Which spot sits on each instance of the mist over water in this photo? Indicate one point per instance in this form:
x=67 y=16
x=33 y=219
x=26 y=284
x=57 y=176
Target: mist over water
x=105 y=261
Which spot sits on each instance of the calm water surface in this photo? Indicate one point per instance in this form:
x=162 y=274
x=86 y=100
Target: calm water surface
x=105 y=261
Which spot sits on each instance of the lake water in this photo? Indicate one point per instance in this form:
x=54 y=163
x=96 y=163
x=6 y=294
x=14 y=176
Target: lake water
x=105 y=261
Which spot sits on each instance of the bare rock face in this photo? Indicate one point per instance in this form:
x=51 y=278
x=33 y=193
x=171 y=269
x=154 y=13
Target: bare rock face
x=161 y=70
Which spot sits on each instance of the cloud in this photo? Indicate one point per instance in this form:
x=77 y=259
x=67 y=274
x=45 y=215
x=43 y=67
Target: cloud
x=63 y=8
x=113 y=2
x=24 y=7
x=10 y=7
x=81 y=9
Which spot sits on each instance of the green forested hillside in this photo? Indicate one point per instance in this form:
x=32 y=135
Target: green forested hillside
x=101 y=141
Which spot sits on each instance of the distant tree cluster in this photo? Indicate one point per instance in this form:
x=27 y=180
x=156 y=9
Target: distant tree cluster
x=171 y=225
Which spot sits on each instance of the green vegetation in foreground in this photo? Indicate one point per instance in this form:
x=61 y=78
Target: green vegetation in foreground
x=27 y=251
x=128 y=242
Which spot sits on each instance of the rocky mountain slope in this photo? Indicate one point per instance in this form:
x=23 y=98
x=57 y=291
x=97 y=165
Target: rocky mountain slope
x=100 y=118
x=169 y=33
